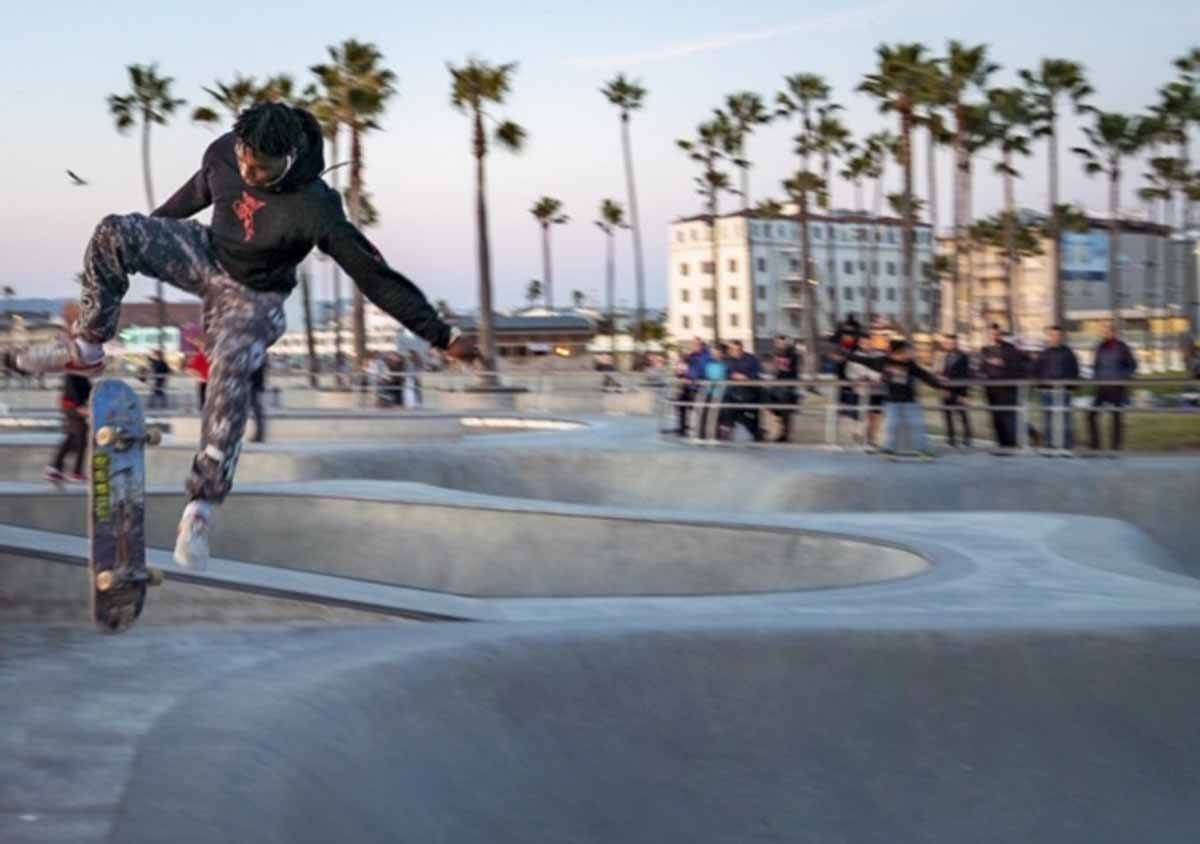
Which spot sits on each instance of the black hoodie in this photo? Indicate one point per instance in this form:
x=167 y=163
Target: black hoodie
x=260 y=235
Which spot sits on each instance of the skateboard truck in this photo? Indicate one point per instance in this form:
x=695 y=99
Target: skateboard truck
x=114 y=436
x=108 y=578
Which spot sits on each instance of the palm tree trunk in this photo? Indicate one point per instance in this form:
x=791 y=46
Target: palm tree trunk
x=306 y=294
x=745 y=188
x=873 y=262
x=716 y=266
x=1114 y=266
x=547 y=272
x=338 y=357
x=824 y=272
x=1010 y=241
x=487 y=336
x=1060 y=293
x=961 y=301
x=909 y=226
x=610 y=277
x=810 y=297
x=636 y=230
x=148 y=183
x=931 y=167
x=360 y=318
x=973 y=289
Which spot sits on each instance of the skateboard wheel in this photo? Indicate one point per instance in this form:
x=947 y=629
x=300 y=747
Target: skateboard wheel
x=156 y=577
x=154 y=436
x=105 y=581
x=106 y=436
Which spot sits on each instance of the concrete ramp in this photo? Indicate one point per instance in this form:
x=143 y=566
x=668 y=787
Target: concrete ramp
x=765 y=732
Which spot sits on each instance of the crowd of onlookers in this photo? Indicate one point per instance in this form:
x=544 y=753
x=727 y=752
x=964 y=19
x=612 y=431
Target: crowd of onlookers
x=877 y=382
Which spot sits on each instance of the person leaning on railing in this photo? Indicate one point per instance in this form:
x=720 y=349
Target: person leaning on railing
x=1056 y=362
x=712 y=393
x=1113 y=361
x=743 y=367
x=691 y=373
x=787 y=368
x=899 y=374
x=1002 y=361
x=956 y=366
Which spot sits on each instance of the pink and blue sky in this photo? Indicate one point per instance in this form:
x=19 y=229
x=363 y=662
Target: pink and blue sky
x=59 y=60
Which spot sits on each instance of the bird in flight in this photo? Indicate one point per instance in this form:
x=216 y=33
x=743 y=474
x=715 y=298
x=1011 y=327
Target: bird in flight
x=76 y=180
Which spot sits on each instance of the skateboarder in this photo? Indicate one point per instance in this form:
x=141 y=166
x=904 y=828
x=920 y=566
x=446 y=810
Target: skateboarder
x=270 y=208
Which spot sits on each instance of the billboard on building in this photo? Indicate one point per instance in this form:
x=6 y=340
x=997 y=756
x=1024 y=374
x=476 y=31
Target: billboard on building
x=1085 y=256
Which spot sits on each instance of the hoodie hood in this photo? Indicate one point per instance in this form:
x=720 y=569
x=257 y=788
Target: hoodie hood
x=311 y=161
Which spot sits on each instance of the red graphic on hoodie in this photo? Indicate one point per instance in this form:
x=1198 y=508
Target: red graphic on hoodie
x=245 y=209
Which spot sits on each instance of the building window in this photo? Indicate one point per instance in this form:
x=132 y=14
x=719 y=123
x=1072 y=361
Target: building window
x=848 y=294
x=706 y=267
x=679 y=237
x=762 y=265
x=683 y=269
x=733 y=293
x=832 y=293
x=795 y=319
x=832 y=266
x=891 y=236
x=685 y=295
x=693 y=234
x=891 y=294
x=862 y=265
x=707 y=294
x=817 y=233
x=687 y=322
x=874 y=294
x=707 y=321
x=760 y=320
x=926 y=269
x=733 y=320
x=795 y=265
x=891 y=267
x=733 y=265
x=848 y=267
x=762 y=293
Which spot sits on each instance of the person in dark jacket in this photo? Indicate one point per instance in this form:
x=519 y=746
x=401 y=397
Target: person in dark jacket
x=159 y=370
x=743 y=366
x=691 y=373
x=900 y=374
x=1113 y=361
x=787 y=368
x=1002 y=361
x=76 y=391
x=956 y=366
x=270 y=208
x=1057 y=362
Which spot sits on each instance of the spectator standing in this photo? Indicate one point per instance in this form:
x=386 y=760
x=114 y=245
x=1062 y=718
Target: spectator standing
x=787 y=368
x=76 y=391
x=1002 y=361
x=956 y=366
x=1056 y=362
x=743 y=367
x=692 y=374
x=716 y=373
x=198 y=363
x=899 y=373
x=158 y=381
x=1113 y=361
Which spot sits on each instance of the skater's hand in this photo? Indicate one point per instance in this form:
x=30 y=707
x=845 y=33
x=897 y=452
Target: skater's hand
x=462 y=349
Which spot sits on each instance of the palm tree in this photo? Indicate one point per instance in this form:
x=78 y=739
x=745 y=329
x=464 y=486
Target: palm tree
x=966 y=70
x=1011 y=119
x=802 y=96
x=931 y=117
x=548 y=212
x=324 y=101
x=533 y=291
x=903 y=76
x=878 y=148
x=708 y=150
x=1113 y=138
x=612 y=218
x=1053 y=80
x=978 y=133
x=746 y=111
x=239 y=94
x=149 y=101
x=768 y=208
x=475 y=87
x=832 y=141
x=363 y=88
x=1180 y=109
x=628 y=96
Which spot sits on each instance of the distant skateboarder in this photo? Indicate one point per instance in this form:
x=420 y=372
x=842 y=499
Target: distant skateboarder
x=270 y=208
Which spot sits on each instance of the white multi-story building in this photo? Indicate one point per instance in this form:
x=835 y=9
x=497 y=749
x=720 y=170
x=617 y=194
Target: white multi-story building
x=760 y=283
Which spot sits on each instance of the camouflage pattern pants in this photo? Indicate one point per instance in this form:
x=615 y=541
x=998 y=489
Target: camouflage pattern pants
x=240 y=324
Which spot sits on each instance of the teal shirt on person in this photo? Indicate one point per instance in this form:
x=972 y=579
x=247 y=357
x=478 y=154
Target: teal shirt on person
x=716 y=370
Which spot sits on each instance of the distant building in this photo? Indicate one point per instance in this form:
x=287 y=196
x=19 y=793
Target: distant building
x=520 y=337
x=761 y=286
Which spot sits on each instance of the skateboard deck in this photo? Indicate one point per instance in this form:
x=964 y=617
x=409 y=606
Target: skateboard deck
x=117 y=570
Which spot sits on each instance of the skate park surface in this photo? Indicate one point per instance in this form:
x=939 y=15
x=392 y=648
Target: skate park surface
x=661 y=643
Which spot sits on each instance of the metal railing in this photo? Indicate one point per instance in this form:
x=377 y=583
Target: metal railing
x=1032 y=417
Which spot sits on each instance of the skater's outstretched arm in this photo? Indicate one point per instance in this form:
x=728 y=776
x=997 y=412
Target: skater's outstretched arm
x=391 y=291
x=193 y=197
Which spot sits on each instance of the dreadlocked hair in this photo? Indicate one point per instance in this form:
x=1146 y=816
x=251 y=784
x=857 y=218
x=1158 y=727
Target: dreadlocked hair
x=272 y=129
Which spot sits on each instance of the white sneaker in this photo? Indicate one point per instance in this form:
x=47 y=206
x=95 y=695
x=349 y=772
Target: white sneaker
x=62 y=354
x=191 y=543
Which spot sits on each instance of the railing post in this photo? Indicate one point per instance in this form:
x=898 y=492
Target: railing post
x=1023 y=416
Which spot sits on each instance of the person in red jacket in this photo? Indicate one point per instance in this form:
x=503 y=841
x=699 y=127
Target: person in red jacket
x=198 y=363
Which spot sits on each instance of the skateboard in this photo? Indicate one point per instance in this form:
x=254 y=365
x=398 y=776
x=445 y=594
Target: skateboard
x=117 y=569
x=909 y=457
